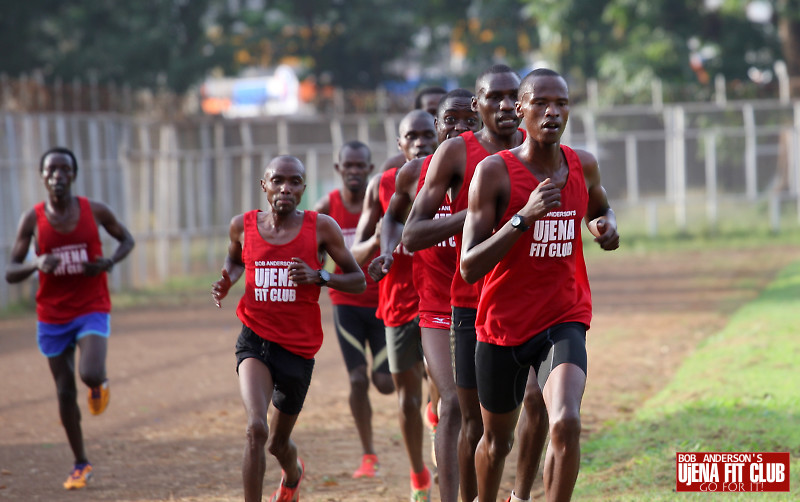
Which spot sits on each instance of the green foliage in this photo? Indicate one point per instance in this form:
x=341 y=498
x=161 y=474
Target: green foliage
x=359 y=43
x=348 y=45
x=737 y=392
x=627 y=43
x=144 y=43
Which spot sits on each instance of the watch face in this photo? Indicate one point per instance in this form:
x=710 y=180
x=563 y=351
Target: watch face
x=325 y=275
x=518 y=223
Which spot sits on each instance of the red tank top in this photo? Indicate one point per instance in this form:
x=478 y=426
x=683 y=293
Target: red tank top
x=434 y=266
x=542 y=281
x=463 y=294
x=274 y=307
x=67 y=293
x=348 y=222
x=399 y=302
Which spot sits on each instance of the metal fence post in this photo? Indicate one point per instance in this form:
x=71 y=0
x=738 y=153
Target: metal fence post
x=712 y=204
x=750 y=152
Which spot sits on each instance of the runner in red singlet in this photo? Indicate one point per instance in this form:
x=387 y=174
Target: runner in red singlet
x=354 y=315
x=399 y=301
x=280 y=252
x=450 y=174
x=522 y=238
x=433 y=272
x=426 y=99
x=72 y=302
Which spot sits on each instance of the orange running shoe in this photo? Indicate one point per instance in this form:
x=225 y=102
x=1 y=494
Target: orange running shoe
x=369 y=467
x=286 y=494
x=98 y=398
x=80 y=475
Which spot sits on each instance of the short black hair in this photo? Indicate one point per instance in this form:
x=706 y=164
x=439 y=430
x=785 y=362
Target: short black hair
x=427 y=90
x=61 y=150
x=356 y=145
x=492 y=70
x=455 y=93
x=539 y=72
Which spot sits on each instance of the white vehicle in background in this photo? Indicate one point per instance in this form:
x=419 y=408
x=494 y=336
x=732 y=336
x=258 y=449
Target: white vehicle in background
x=252 y=95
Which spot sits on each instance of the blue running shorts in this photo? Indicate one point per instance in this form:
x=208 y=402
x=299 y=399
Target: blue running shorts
x=54 y=339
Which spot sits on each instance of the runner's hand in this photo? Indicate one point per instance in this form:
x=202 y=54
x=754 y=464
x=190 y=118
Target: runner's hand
x=301 y=273
x=47 y=263
x=219 y=289
x=100 y=265
x=380 y=266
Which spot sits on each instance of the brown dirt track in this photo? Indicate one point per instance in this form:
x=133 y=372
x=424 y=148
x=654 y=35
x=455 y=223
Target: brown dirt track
x=175 y=427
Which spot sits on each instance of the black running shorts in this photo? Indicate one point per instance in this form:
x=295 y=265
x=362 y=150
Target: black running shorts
x=357 y=327
x=291 y=374
x=503 y=371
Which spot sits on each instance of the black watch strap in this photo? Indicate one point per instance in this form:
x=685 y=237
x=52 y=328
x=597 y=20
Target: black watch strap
x=519 y=223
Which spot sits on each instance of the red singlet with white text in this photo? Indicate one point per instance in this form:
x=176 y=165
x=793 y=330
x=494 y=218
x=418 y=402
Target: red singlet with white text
x=274 y=307
x=68 y=293
x=435 y=266
x=463 y=294
x=542 y=280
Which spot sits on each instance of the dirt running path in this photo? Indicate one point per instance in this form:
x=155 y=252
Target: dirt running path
x=175 y=427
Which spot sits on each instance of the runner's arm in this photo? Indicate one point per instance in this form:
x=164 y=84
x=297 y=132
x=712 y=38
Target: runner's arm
x=234 y=266
x=330 y=237
x=599 y=216
x=366 y=243
x=422 y=229
x=108 y=220
x=18 y=269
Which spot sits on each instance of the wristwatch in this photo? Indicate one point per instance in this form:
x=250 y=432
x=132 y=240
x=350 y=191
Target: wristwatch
x=324 y=277
x=518 y=223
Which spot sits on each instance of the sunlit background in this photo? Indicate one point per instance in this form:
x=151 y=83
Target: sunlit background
x=174 y=106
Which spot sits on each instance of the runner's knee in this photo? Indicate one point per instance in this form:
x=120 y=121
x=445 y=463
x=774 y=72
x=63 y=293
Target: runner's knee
x=565 y=429
x=383 y=382
x=92 y=377
x=257 y=432
x=449 y=408
x=498 y=446
x=471 y=428
x=410 y=402
x=359 y=382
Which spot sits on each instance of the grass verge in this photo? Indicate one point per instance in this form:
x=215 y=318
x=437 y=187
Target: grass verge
x=738 y=392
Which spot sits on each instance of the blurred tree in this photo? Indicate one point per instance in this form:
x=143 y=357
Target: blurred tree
x=144 y=43
x=347 y=44
x=628 y=42
x=473 y=35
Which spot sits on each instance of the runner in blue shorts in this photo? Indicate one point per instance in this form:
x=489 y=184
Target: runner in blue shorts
x=72 y=302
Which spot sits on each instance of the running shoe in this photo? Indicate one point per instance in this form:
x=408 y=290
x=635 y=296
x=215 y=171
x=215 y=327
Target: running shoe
x=514 y=498
x=80 y=475
x=98 y=398
x=286 y=494
x=369 y=467
x=421 y=493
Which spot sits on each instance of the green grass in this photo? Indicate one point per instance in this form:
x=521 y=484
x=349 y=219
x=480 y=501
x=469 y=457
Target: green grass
x=740 y=391
x=176 y=291
x=740 y=224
